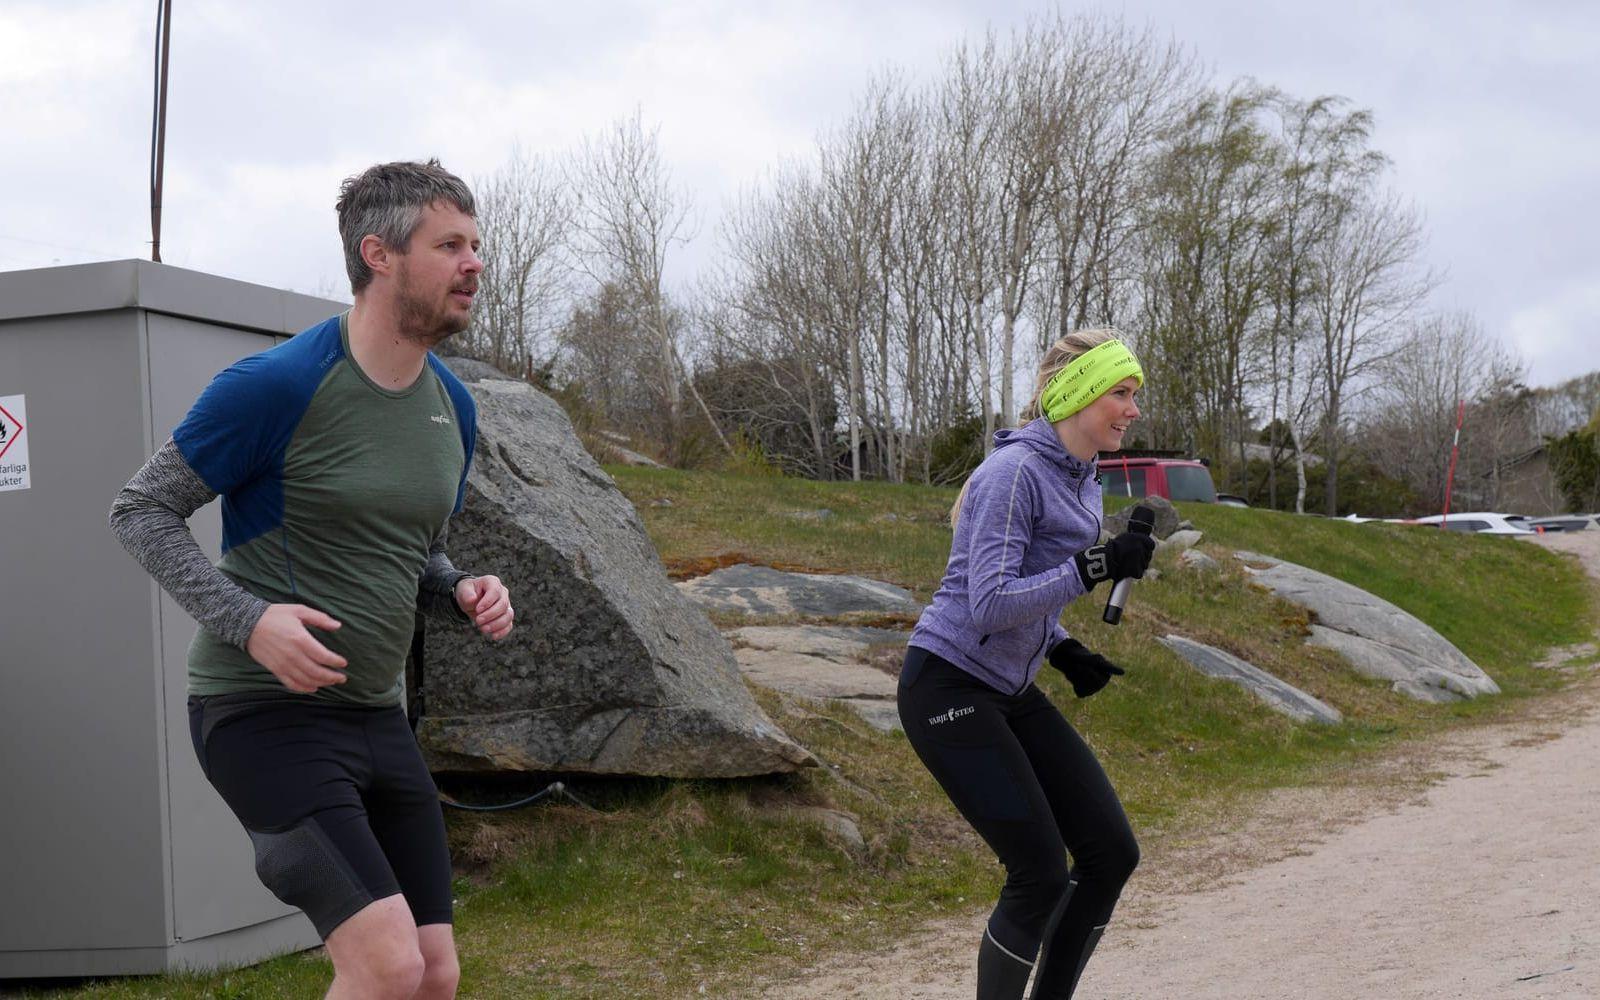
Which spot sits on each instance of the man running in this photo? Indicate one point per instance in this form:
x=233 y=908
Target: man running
x=339 y=456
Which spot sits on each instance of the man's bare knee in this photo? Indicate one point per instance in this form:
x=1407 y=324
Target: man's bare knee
x=399 y=977
x=442 y=971
x=375 y=953
x=440 y=978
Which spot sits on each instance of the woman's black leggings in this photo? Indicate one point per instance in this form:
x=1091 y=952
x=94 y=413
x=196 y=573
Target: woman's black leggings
x=1033 y=790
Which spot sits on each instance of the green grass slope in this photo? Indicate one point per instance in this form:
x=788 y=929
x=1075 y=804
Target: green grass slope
x=670 y=887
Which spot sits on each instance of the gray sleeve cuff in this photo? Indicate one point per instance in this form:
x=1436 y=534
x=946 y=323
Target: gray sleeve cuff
x=149 y=518
x=436 y=587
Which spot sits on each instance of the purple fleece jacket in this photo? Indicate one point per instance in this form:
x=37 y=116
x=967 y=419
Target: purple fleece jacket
x=1030 y=507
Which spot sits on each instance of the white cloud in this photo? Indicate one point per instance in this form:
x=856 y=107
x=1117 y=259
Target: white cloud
x=1486 y=109
x=1559 y=336
x=46 y=45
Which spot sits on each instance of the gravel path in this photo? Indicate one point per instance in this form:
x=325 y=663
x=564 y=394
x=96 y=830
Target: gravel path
x=1484 y=883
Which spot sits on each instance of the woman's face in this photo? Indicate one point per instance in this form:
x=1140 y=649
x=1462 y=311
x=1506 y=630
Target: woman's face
x=1103 y=422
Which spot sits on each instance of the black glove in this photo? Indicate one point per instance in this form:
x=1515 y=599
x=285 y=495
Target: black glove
x=1127 y=555
x=1088 y=672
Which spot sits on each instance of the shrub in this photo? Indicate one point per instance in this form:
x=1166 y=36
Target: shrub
x=956 y=450
x=1575 y=463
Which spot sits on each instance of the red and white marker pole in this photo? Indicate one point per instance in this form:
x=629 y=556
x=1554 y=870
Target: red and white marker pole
x=1450 y=478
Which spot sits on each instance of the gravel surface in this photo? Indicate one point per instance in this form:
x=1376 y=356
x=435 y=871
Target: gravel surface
x=1481 y=882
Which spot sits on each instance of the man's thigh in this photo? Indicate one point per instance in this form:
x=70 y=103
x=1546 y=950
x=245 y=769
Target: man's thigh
x=404 y=812
x=292 y=773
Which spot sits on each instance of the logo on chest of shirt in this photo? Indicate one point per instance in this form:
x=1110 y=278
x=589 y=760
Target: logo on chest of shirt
x=440 y=418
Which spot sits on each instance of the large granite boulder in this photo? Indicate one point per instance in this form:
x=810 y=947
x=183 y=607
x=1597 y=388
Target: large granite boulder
x=1279 y=694
x=1377 y=638
x=610 y=670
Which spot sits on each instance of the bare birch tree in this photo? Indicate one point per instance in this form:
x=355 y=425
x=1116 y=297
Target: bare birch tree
x=968 y=112
x=524 y=210
x=1211 y=220
x=630 y=214
x=1369 y=282
x=1123 y=91
x=770 y=288
x=1325 y=162
x=1440 y=362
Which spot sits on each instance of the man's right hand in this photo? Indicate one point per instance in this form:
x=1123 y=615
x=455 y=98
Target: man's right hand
x=281 y=643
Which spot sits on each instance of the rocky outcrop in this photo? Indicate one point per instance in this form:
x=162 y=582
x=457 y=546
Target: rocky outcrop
x=610 y=670
x=1280 y=694
x=1377 y=638
x=1194 y=559
x=1181 y=540
x=761 y=590
x=825 y=662
x=617 y=444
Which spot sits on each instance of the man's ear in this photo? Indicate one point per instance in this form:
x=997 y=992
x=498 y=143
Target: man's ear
x=376 y=255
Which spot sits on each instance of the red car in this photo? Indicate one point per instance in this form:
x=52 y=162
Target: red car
x=1176 y=479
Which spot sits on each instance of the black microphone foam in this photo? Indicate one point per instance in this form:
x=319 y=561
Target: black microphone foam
x=1141 y=522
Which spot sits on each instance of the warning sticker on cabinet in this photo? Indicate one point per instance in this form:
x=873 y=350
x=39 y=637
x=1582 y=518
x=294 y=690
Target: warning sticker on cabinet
x=14 y=443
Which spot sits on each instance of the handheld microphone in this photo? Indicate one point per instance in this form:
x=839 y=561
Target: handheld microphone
x=1143 y=522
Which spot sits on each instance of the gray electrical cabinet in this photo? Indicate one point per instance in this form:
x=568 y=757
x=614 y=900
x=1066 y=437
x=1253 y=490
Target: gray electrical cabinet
x=116 y=856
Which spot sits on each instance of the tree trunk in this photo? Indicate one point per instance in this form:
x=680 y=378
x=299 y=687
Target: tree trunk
x=855 y=410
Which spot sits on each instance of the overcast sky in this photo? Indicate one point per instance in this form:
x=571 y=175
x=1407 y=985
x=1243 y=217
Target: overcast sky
x=1488 y=110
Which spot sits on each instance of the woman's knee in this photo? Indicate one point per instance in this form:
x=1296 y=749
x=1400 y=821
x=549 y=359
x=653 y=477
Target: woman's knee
x=1119 y=858
x=1033 y=892
x=1053 y=880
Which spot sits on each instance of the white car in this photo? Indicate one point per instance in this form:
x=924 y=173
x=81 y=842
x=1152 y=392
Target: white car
x=1567 y=522
x=1480 y=522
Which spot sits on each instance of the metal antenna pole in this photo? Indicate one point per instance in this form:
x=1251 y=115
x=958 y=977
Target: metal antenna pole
x=158 y=137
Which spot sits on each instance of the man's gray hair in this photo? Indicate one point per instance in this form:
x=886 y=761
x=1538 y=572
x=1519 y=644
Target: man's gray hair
x=386 y=201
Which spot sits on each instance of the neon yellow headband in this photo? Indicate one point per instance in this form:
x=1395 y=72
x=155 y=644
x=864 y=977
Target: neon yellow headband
x=1086 y=378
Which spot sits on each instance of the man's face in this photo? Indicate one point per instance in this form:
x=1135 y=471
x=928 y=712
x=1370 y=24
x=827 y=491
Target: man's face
x=436 y=279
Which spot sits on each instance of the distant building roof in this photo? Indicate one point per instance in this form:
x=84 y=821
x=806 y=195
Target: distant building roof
x=1263 y=453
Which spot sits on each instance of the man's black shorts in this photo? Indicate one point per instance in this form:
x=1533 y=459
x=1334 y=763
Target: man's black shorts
x=336 y=799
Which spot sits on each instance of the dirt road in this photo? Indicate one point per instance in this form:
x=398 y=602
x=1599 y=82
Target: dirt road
x=1483 y=884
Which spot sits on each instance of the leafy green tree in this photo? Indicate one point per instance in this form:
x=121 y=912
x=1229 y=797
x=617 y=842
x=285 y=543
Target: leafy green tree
x=1575 y=461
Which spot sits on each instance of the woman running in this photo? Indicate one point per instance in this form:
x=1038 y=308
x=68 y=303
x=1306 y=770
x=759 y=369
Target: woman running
x=1027 y=524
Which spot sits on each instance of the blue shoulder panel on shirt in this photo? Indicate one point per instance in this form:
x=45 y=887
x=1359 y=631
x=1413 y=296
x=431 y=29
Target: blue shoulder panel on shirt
x=235 y=435
x=466 y=420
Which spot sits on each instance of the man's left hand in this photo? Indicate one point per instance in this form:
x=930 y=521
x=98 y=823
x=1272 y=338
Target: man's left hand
x=487 y=602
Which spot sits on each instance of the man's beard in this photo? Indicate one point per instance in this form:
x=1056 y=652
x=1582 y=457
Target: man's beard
x=423 y=322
